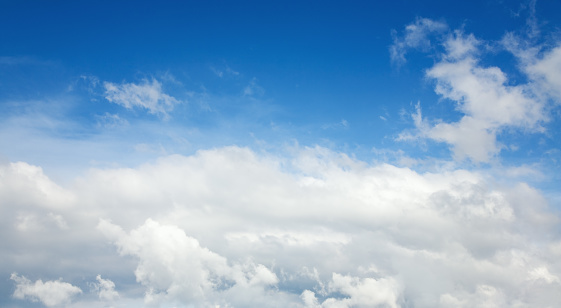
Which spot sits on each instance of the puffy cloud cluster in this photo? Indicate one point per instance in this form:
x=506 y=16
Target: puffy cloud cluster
x=365 y=292
x=175 y=268
x=489 y=102
x=50 y=293
x=232 y=228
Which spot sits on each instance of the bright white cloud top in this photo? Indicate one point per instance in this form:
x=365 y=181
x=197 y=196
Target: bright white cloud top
x=176 y=188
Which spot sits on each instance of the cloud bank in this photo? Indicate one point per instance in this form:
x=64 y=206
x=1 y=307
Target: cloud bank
x=233 y=228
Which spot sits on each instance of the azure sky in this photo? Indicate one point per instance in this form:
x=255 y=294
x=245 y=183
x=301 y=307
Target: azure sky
x=280 y=154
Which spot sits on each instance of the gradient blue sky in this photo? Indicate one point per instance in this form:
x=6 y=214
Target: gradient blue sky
x=321 y=70
x=431 y=88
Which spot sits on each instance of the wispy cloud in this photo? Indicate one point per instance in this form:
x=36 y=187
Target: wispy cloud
x=224 y=71
x=416 y=35
x=343 y=124
x=146 y=95
x=253 y=89
x=109 y=120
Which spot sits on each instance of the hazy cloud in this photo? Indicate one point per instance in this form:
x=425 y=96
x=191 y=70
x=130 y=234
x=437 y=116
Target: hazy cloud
x=415 y=35
x=253 y=89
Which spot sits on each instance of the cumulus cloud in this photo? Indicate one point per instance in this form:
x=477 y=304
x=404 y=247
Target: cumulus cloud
x=147 y=95
x=313 y=228
x=365 y=292
x=175 y=268
x=105 y=289
x=25 y=184
x=489 y=103
x=51 y=293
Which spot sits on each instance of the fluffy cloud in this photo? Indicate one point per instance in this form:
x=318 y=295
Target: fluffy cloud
x=540 y=63
x=106 y=289
x=147 y=95
x=489 y=103
x=314 y=228
x=366 y=292
x=50 y=293
x=175 y=268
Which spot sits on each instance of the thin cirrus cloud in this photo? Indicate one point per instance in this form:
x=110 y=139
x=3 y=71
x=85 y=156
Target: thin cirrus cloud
x=489 y=103
x=416 y=36
x=145 y=95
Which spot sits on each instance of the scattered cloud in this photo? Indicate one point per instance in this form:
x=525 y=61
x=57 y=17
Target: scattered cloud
x=50 y=293
x=105 y=289
x=546 y=72
x=231 y=226
x=416 y=36
x=489 y=103
x=225 y=71
x=253 y=89
x=147 y=95
x=365 y=292
x=109 y=120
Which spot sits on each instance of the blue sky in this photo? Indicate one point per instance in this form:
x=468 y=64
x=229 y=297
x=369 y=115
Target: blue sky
x=293 y=152
x=321 y=71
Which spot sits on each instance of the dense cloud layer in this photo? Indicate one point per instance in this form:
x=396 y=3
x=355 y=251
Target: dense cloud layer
x=232 y=228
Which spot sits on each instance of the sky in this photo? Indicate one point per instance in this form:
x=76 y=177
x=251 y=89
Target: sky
x=280 y=154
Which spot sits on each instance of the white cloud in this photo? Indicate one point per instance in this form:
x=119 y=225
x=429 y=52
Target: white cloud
x=229 y=226
x=365 y=292
x=147 y=95
x=542 y=273
x=106 y=289
x=546 y=72
x=488 y=102
x=416 y=35
x=484 y=296
x=32 y=187
x=50 y=293
x=175 y=268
